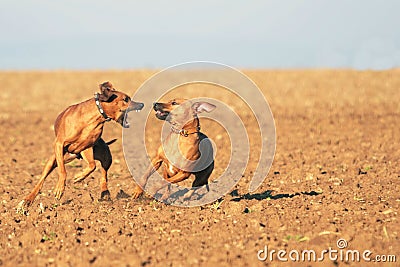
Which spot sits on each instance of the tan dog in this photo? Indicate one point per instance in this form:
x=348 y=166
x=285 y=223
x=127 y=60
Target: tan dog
x=78 y=132
x=180 y=150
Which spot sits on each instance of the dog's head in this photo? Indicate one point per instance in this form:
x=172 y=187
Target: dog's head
x=119 y=103
x=180 y=111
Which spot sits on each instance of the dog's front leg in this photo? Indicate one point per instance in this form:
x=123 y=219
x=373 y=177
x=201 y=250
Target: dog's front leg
x=62 y=174
x=155 y=165
x=180 y=176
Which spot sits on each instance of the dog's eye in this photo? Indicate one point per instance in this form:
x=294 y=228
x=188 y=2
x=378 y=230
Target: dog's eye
x=174 y=103
x=126 y=99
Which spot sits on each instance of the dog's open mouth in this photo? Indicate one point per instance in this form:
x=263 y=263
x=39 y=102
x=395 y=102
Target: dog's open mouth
x=162 y=115
x=123 y=119
x=125 y=122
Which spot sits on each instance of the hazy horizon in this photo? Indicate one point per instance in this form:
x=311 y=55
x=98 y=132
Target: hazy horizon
x=79 y=35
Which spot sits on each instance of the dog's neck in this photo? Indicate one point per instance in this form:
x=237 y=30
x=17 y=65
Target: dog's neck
x=100 y=107
x=191 y=127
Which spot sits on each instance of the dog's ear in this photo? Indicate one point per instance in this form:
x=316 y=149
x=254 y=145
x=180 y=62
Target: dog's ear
x=106 y=90
x=199 y=107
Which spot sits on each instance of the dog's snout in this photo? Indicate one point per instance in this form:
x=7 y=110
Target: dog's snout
x=135 y=106
x=155 y=105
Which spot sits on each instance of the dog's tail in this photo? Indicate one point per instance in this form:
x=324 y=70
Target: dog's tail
x=111 y=142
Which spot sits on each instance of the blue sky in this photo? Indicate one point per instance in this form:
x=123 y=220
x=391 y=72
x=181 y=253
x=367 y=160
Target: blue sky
x=126 y=34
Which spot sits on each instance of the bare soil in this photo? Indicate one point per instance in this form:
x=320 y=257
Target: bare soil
x=336 y=174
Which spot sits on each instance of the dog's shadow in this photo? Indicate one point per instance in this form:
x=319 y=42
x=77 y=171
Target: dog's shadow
x=268 y=195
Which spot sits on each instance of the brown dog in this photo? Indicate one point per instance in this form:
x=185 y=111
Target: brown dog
x=78 y=132
x=180 y=151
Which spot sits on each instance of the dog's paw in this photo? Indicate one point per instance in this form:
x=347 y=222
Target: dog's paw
x=105 y=196
x=22 y=207
x=137 y=192
x=59 y=191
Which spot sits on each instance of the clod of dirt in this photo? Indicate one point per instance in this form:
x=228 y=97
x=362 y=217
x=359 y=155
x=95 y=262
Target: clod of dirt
x=92 y=260
x=361 y=172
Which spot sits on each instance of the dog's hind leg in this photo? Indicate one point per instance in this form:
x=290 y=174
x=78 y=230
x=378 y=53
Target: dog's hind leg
x=102 y=153
x=201 y=178
x=49 y=167
x=88 y=157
